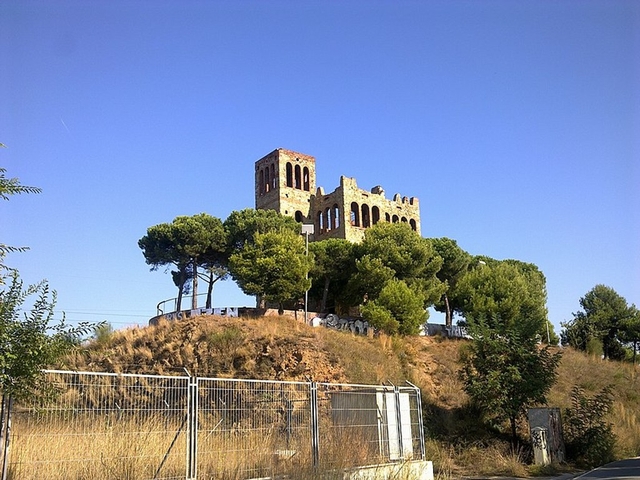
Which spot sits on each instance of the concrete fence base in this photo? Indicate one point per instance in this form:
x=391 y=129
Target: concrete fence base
x=412 y=470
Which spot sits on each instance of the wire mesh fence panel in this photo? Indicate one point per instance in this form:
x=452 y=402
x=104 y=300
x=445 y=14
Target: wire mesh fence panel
x=93 y=425
x=253 y=429
x=109 y=426
x=365 y=425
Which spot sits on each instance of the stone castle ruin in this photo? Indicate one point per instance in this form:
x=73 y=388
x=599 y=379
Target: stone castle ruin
x=285 y=181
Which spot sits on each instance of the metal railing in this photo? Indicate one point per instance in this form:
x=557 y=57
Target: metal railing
x=170 y=305
x=99 y=425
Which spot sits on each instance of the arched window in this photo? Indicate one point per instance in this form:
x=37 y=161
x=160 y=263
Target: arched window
x=366 y=220
x=297 y=178
x=289 y=175
x=355 y=217
x=336 y=216
x=403 y=219
x=320 y=222
x=267 y=180
x=298 y=216
x=261 y=182
x=327 y=218
x=305 y=178
x=395 y=219
x=387 y=218
x=375 y=214
x=274 y=183
x=414 y=227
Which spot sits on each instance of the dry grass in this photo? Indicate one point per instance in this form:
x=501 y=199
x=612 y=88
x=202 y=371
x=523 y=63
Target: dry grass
x=593 y=374
x=284 y=349
x=88 y=450
x=133 y=450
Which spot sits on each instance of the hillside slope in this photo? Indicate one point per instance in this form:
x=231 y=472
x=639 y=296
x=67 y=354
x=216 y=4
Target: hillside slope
x=280 y=348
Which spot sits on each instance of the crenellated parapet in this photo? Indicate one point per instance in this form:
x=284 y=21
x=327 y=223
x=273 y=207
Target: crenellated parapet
x=286 y=182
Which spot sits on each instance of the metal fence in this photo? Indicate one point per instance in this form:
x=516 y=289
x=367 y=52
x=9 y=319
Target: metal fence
x=124 y=426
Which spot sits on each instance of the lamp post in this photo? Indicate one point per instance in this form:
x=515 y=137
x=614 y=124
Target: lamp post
x=307 y=229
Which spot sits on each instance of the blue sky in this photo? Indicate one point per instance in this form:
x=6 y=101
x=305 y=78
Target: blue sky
x=516 y=124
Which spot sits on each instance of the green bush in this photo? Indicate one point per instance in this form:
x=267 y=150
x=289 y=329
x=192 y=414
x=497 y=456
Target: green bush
x=590 y=440
x=594 y=347
x=226 y=341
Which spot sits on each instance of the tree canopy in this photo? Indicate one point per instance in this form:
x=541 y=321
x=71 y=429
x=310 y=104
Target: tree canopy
x=32 y=340
x=605 y=318
x=505 y=371
x=397 y=309
x=455 y=264
x=411 y=258
x=274 y=267
x=333 y=265
x=242 y=225
x=507 y=294
x=187 y=243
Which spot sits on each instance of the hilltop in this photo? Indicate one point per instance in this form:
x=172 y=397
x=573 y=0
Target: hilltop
x=280 y=348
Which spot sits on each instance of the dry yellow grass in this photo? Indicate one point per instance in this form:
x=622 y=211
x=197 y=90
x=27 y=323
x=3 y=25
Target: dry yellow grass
x=58 y=450
x=284 y=349
x=593 y=374
x=130 y=449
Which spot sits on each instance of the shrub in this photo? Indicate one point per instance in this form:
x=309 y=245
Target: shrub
x=590 y=440
x=594 y=347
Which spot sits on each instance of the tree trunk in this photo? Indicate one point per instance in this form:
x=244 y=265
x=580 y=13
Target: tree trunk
x=514 y=433
x=194 y=289
x=448 y=317
x=179 y=300
x=179 y=280
x=325 y=294
x=210 y=291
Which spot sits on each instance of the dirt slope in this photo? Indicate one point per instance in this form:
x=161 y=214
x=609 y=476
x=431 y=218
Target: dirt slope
x=280 y=348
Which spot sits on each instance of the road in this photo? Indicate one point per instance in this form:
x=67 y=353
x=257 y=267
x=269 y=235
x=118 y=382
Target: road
x=623 y=469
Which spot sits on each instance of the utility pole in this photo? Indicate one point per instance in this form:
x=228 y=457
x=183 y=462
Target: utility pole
x=307 y=229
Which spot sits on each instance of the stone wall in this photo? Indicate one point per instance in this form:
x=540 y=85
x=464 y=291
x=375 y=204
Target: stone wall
x=285 y=181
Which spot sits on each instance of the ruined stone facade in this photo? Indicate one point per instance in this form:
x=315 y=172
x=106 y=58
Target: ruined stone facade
x=285 y=181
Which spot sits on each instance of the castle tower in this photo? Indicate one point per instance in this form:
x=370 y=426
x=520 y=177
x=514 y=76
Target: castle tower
x=285 y=182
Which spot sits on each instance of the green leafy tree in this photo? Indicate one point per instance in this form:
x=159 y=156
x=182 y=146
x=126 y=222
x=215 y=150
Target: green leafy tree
x=12 y=186
x=30 y=340
x=631 y=331
x=188 y=243
x=8 y=187
x=507 y=294
x=605 y=316
x=590 y=440
x=505 y=371
x=370 y=277
x=273 y=266
x=333 y=265
x=242 y=225
x=214 y=272
x=455 y=264
x=412 y=258
x=397 y=309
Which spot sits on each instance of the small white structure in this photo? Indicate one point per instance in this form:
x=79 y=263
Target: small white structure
x=382 y=420
x=545 y=425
